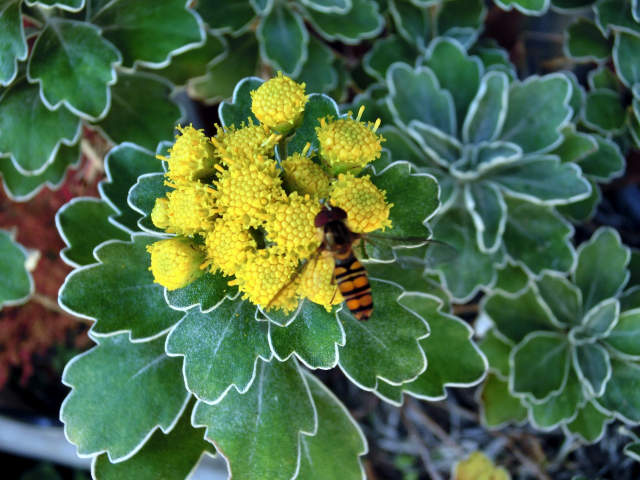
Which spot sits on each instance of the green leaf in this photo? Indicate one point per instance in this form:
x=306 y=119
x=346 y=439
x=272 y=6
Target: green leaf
x=538 y=237
x=30 y=134
x=171 y=456
x=512 y=278
x=461 y=14
x=363 y=21
x=16 y=283
x=415 y=94
x=335 y=450
x=626 y=57
x=385 y=52
x=329 y=6
x=74 y=65
x=456 y=71
x=606 y=163
x=496 y=349
x=589 y=424
x=558 y=408
x=542 y=179
x=604 y=111
x=448 y=334
x=603 y=77
x=601 y=269
x=625 y=336
x=21 y=188
x=119 y=292
x=488 y=109
x=515 y=316
x=68 y=5
x=538 y=110
x=193 y=63
x=222 y=76
x=258 y=432
x=143 y=196
x=83 y=224
x=313 y=336
x=498 y=406
x=147 y=32
x=414 y=24
x=401 y=146
x=633 y=450
x=121 y=393
x=224 y=16
x=489 y=212
x=141 y=110
x=575 y=145
x=238 y=110
x=123 y=165
x=283 y=40
x=206 y=291
x=318 y=106
x=562 y=297
x=485 y=157
x=528 y=7
x=600 y=320
x=540 y=365
x=220 y=348
x=622 y=396
x=582 y=211
x=593 y=366
x=470 y=268
x=408 y=214
x=13 y=46
x=585 y=41
x=612 y=14
x=318 y=72
x=630 y=298
x=440 y=148
x=386 y=345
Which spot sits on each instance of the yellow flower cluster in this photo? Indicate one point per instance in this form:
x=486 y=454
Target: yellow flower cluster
x=237 y=211
x=479 y=467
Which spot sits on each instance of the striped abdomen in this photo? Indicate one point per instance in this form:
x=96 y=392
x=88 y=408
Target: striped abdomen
x=353 y=283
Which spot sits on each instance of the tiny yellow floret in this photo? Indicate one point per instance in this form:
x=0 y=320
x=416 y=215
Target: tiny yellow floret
x=365 y=204
x=304 y=176
x=191 y=158
x=264 y=280
x=316 y=282
x=228 y=246
x=175 y=262
x=244 y=191
x=160 y=214
x=348 y=145
x=235 y=145
x=191 y=209
x=479 y=467
x=290 y=225
x=279 y=103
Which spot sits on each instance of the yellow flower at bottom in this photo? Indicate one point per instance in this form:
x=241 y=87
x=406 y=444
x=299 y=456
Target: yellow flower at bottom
x=264 y=275
x=175 y=262
x=316 y=282
x=191 y=209
x=228 y=245
x=346 y=144
x=279 y=103
x=302 y=175
x=192 y=157
x=291 y=225
x=479 y=467
x=365 y=204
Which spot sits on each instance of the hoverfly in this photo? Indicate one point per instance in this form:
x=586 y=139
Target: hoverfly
x=349 y=274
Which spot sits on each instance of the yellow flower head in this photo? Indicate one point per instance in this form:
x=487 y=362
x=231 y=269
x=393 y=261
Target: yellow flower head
x=291 y=225
x=347 y=145
x=191 y=209
x=237 y=144
x=263 y=277
x=244 y=191
x=365 y=204
x=316 y=282
x=279 y=103
x=228 y=246
x=191 y=158
x=479 y=467
x=304 y=176
x=160 y=213
x=175 y=262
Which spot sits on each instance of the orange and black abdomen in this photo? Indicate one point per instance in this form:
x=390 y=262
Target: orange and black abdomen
x=353 y=283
